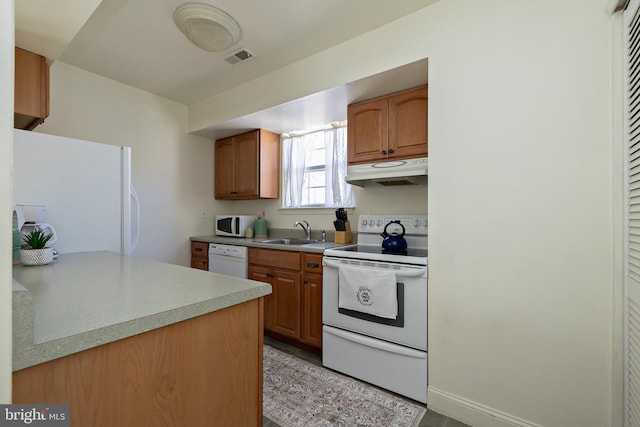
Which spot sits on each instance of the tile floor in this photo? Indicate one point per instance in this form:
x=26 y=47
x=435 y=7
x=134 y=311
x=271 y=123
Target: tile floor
x=430 y=419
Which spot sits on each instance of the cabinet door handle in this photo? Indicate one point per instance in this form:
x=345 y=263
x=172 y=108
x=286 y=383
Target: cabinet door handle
x=390 y=150
x=306 y=282
x=313 y=265
x=198 y=249
x=384 y=152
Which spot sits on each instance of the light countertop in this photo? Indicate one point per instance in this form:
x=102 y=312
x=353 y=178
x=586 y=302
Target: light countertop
x=87 y=299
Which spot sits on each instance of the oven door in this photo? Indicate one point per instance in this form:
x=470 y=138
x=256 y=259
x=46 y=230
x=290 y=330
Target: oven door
x=411 y=331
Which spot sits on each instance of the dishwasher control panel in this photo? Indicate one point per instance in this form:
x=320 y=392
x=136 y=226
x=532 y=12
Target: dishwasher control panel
x=228 y=250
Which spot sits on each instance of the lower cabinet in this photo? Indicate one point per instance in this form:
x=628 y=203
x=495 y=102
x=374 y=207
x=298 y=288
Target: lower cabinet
x=294 y=308
x=200 y=255
x=282 y=311
x=312 y=299
x=203 y=371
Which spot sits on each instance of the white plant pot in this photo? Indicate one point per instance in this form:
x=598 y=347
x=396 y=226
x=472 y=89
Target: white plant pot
x=36 y=256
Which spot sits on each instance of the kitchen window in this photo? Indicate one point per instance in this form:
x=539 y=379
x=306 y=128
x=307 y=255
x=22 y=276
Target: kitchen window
x=314 y=165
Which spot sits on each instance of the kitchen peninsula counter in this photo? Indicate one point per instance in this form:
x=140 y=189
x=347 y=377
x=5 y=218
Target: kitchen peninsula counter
x=87 y=299
x=146 y=335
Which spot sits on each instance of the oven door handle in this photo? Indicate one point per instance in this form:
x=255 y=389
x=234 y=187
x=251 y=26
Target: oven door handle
x=414 y=272
x=374 y=343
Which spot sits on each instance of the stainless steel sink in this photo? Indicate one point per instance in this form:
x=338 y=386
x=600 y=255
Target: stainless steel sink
x=289 y=241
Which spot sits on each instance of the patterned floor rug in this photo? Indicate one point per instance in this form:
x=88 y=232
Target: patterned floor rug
x=298 y=393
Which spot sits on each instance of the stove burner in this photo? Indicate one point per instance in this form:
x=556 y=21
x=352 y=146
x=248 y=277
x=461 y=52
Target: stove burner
x=395 y=252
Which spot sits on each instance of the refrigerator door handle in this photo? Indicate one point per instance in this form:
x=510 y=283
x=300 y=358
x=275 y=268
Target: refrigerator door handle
x=136 y=225
x=126 y=219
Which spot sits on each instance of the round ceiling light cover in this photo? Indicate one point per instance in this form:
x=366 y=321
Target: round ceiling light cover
x=207 y=27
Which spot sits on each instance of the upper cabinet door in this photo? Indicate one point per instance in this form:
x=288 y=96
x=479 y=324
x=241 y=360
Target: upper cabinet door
x=31 y=89
x=224 y=169
x=408 y=124
x=387 y=128
x=247 y=165
x=367 y=130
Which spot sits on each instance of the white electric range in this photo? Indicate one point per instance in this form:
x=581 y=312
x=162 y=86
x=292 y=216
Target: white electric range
x=388 y=351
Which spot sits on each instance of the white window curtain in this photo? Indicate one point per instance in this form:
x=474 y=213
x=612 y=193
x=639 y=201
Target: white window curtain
x=297 y=160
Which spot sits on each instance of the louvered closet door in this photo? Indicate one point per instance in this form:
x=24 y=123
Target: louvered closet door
x=632 y=276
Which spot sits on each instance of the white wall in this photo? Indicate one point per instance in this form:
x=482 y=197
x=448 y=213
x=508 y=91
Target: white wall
x=520 y=223
x=6 y=189
x=172 y=171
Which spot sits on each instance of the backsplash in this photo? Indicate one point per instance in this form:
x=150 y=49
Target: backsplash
x=409 y=199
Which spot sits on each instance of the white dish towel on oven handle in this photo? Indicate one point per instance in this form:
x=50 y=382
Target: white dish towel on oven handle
x=368 y=291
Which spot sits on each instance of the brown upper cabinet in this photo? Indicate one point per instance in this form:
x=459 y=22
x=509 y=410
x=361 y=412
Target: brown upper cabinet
x=389 y=127
x=247 y=166
x=31 y=89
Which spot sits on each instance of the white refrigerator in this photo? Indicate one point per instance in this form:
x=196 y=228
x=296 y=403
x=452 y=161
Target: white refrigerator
x=85 y=186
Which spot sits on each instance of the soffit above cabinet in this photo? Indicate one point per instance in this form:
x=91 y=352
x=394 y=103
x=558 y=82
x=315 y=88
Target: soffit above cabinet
x=324 y=107
x=46 y=28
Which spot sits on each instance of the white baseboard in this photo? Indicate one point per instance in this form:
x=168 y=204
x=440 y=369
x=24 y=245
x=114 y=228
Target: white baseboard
x=472 y=413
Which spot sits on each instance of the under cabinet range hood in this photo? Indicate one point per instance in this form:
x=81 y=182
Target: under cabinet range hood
x=394 y=172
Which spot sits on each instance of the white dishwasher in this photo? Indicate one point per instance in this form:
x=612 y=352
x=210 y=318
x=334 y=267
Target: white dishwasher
x=228 y=259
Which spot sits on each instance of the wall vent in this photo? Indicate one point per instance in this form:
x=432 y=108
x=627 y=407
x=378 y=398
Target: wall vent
x=240 y=56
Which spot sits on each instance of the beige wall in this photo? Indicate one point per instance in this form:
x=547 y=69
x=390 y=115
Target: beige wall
x=520 y=188
x=521 y=259
x=6 y=189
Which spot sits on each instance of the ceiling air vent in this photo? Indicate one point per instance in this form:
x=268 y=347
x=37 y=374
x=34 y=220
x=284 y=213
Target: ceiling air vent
x=240 y=56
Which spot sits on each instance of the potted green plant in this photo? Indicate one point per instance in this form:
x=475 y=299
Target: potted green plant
x=35 y=250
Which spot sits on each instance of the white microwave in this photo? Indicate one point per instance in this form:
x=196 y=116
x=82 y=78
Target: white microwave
x=233 y=225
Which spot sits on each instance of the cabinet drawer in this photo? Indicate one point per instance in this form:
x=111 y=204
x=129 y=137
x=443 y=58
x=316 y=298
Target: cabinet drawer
x=200 y=249
x=275 y=258
x=200 y=263
x=312 y=263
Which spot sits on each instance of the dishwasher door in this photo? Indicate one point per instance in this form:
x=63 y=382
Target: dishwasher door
x=228 y=259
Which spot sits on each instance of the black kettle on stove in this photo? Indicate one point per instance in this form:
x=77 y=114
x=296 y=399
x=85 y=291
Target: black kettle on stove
x=393 y=236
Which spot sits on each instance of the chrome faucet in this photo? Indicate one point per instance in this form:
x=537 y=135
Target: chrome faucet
x=306 y=229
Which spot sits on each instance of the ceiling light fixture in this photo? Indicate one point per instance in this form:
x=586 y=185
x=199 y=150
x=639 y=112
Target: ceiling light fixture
x=207 y=27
